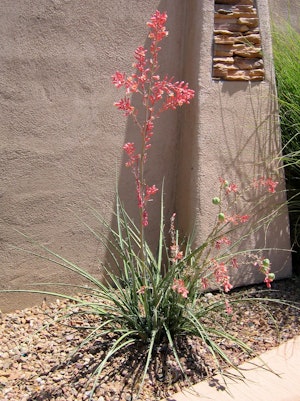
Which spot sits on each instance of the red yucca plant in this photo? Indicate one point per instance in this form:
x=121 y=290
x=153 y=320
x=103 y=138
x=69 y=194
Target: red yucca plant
x=156 y=297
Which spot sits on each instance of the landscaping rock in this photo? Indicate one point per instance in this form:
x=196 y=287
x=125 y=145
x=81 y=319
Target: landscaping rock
x=51 y=371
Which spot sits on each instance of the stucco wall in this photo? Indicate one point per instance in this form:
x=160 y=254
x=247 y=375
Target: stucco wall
x=285 y=10
x=61 y=137
x=231 y=131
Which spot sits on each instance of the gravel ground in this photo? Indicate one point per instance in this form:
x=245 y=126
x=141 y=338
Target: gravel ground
x=37 y=359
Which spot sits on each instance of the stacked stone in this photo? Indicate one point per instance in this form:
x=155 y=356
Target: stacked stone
x=237 y=42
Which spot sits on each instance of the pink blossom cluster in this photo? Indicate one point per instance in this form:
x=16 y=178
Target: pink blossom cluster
x=237 y=219
x=234 y=219
x=179 y=287
x=147 y=82
x=175 y=252
x=144 y=192
x=157 y=94
x=229 y=187
x=157 y=24
x=141 y=290
x=219 y=269
x=204 y=282
x=264 y=266
x=228 y=307
x=222 y=241
x=221 y=275
x=266 y=183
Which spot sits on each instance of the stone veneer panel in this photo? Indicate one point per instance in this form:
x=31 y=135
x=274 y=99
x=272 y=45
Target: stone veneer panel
x=237 y=42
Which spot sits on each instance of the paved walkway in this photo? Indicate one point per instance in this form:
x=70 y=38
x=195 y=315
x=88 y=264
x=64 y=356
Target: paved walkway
x=260 y=384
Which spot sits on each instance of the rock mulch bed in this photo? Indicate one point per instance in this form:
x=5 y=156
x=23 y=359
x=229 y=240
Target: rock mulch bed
x=38 y=363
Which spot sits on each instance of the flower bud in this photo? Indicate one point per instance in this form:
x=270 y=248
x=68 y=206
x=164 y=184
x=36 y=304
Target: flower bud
x=216 y=200
x=221 y=217
x=266 y=263
x=271 y=276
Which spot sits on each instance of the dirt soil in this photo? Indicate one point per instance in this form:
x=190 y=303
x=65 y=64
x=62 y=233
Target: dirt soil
x=38 y=363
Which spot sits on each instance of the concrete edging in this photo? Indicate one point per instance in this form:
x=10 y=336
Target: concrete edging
x=261 y=384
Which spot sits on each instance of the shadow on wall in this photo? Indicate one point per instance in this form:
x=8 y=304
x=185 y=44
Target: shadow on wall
x=59 y=128
x=188 y=203
x=253 y=153
x=287 y=10
x=241 y=143
x=253 y=145
x=161 y=163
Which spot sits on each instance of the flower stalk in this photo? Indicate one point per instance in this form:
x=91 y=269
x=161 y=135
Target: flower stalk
x=153 y=300
x=158 y=95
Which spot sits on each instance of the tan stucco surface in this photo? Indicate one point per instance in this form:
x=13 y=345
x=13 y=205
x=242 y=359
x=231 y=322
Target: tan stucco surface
x=61 y=137
x=231 y=131
x=287 y=10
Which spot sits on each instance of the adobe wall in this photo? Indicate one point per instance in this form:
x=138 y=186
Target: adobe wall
x=230 y=131
x=61 y=137
x=285 y=10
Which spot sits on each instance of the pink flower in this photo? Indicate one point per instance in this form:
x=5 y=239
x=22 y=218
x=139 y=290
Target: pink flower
x=157 y=25
x=221 y=275
x=228 y=307
x=232 y=219
x=271 y=185
x=267 y=183
x=125 y=105
x=172 y=226
x=146 y=82
x=118 y=79
x=141 y=290
x=129 y=148
x=228 y=187
x=150 y=191
x=179 y=286
x=231 y=188
x=223 y=182
x=269 y=279
x=264 y=266
x=268 y=282
x=145 y=221
x=227 y=286
x=175 y=253
x=244 y=218
x=131 y=85
x=177 y=95
x=237 y=219
x=204 y=282
x=221 y=241
x=234 y=263
x=140 y=56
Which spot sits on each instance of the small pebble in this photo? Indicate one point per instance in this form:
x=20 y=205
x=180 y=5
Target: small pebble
x=46 y=369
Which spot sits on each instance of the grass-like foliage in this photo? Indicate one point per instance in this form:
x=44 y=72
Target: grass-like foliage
x=151 y=297
x=152 y=300
x=286 y=51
